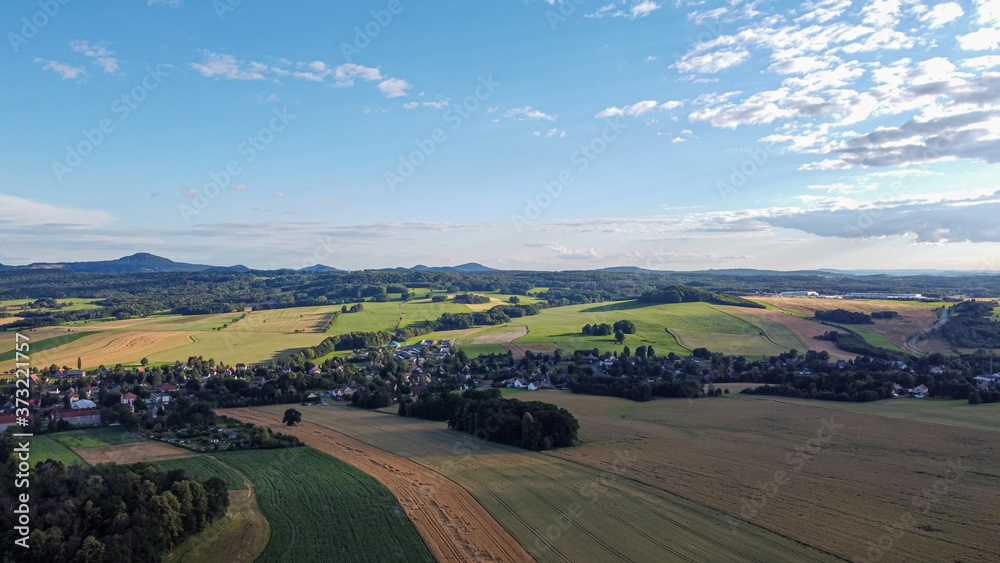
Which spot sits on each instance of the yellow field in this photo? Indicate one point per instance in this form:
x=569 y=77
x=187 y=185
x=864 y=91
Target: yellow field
x=302 y=319
x=106 y=348
x=236 y=347
x=719 y=452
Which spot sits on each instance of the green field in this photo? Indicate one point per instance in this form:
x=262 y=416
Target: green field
x=873 y=337
x=47 y=344
x=476 y=350
x=203 y=468
x=78 y=304
x=111 y=435
x=321 y=509
x=78 y=440
x=47 y=447
x=531 y=494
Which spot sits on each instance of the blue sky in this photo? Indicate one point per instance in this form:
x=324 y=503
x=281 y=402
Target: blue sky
x=543 y=134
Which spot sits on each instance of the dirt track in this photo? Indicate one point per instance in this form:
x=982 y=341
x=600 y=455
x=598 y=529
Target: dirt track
x=452 y=524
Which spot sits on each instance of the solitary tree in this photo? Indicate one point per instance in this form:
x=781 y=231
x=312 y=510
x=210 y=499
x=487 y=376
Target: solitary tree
x=292 y=417
x=619 y=337
x=79 y=363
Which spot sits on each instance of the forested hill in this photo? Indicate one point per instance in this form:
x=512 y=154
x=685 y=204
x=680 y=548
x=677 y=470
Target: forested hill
x=685 y=294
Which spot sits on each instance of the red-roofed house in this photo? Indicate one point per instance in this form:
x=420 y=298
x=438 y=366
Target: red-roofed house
x=79 y=417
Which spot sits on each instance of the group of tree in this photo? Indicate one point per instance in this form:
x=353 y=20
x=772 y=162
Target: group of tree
x=855 y=343
x=845 y=317
x=686 y=294
x=106 y=513
x=356 y=308
x=971 y=325
x=472 y=298
x=532 y=425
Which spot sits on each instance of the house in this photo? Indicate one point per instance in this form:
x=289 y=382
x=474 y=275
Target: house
x=898 y=364
x=166 y=388
x=159 y=398
x=241 y=367
x=129 y=398
x=518 y=383
x=897 y=389
x=76 y=373
x=919 y=391
x=486 y=383
x=6 y=421
x=446 y=343
x=79 y=417
x=314 y=370
x=417 y=390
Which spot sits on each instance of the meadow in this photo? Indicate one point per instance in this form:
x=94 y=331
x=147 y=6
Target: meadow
x=725 y=453
x=560 y=510
x=321 y=509
x=47 y=447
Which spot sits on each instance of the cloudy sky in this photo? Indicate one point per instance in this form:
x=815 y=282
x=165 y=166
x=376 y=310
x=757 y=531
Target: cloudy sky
x=539 y=134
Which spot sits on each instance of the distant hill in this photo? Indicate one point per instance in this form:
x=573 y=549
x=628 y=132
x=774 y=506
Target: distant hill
x=320 y=268
x=469 y=267
x=136 y=263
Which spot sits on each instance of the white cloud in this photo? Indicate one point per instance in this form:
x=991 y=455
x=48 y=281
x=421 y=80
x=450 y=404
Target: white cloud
x=65 y=70
x=103 y=57
x=622 y=9
x=394 y=87
x=710 y=63
x=347 y=72
x=219 y=65
x=240 y=187
x=981 y=63
x=983 y=39
x=554 y=132
x=18 y=212
x=279 y=194
x=529 y=113
x=941 y=14
x=564 y=252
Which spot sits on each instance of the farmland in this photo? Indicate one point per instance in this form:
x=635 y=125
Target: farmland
x=718 y=452
x=321 y=509
x=914 y=316
x=46 y=447
x=559 y=510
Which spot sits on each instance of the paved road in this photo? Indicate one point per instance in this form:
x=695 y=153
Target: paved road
x=913 y=341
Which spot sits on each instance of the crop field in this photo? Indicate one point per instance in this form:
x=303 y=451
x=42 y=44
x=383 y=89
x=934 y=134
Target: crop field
x=132 y=453
x=36 y=346
x=804 y=329
x=71 y=304
x=440 y=510
x=107 y=348
x=203 y=468
x=914 y=316
x=233 y=347
x=720 y=452
x=46 y=447
x=301 y=319
x=321 y=509
x=107 y=435
x=78 y=440
x=934 y=411
x=560 y=510
x=717 y=328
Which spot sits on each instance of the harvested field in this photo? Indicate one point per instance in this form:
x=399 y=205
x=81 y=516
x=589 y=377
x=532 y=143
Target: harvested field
x=502 y=337
x=133 y=453
x=560 y=510
x=450 y=521
x=485 y=306
x=805 y=329
x=233 y=347
x=298 y=319
x=110 y=348
x=719 y=452
x=913 y=318
x=9 y=320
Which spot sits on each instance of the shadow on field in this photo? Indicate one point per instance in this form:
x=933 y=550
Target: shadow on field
x=615 y=307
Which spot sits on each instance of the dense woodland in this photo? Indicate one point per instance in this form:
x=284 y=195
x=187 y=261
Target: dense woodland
x=845 y=317
x=108 y=513
x=531 y=425
x=972 y=326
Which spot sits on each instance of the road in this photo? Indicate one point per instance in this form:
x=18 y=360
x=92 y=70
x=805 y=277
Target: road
x=913 y=341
